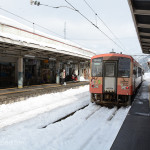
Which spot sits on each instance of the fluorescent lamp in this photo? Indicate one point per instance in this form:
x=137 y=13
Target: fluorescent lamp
x=30 y=56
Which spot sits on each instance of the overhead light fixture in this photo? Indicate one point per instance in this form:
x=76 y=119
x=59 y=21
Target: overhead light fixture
x=52 y=58
x=30 y=56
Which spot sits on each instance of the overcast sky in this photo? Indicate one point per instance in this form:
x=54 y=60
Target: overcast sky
x=115 y=13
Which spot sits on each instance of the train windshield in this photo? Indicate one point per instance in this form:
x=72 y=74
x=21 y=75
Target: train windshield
x=124 y=67
x=96 y=67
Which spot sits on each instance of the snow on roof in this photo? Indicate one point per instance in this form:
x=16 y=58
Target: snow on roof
x=11 y=22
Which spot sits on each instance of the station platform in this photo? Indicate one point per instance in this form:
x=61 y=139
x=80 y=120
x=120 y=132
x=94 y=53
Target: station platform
x=10 y=95
x=135 y=131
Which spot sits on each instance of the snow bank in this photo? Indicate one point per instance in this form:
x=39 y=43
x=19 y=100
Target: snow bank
x=89 y=128
x=82 y=79
x=19 y=111
x=146 y=76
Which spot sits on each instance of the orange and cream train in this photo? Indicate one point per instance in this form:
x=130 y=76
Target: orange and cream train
x=114 y=78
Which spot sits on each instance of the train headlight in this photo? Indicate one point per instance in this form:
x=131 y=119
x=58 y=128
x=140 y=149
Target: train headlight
x=124 y=87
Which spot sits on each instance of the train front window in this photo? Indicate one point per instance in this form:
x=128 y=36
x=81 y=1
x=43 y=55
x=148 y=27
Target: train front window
x=124 y=67
x=96 y=67
x=109 y=69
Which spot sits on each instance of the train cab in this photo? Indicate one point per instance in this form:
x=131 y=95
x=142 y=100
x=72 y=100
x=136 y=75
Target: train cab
x=113 y=78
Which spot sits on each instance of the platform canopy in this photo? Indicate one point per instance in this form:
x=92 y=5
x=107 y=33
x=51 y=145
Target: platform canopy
x=140 y=10
x=18 y=40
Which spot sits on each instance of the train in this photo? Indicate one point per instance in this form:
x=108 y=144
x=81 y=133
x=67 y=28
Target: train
x=114 y=78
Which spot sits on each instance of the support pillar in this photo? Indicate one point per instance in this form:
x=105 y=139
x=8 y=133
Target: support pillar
x=80 y=71
x=20 y=72
x=57 y=72
x=76 y=69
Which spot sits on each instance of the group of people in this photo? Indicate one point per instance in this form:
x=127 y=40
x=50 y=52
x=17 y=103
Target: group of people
x=46 y=77
x=63 y=77
x=74 y=77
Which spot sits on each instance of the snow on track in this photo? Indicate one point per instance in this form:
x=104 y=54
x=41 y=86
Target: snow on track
x=71 y=100
x=89 y=128
x=107 y=132
x=93 y=127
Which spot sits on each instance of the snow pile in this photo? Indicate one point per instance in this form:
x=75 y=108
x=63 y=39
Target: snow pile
x=89 y=128
x=146 y=75
x=82 y=79
x=93 y=127
x=19 y=111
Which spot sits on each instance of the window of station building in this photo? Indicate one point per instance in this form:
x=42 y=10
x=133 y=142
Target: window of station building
x=124 y=67
x=7 y=74
x=96 y=67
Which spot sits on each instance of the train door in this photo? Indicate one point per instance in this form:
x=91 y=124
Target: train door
x=110 y=80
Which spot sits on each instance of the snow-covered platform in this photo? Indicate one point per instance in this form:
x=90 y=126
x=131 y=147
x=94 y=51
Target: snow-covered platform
x=135 y=131
x=14 y=94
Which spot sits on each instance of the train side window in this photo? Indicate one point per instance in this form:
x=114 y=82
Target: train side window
x=142 y=72
x=135 y=71
x=139 y=71
x=124 y=67
x=97 y=67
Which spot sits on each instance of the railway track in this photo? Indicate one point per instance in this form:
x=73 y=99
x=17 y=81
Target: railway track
x=12 y=95
x=63 y=118
x=76 y=125
x=88 y=126
x=26 y=113
x=72 y=113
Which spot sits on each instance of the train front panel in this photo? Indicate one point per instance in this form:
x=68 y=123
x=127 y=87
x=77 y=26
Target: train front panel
x=111 y=79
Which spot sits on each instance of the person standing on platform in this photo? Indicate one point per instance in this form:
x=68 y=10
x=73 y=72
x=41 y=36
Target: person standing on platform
x=62 y=77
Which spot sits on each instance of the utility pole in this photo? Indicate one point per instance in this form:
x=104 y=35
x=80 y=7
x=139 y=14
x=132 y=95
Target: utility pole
x=65 y=30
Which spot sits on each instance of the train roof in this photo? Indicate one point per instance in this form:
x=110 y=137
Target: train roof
x=117 y=55
x=112 y=54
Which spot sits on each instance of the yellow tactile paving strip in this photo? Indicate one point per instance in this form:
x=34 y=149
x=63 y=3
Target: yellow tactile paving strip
x=26 y=90
x=20 y=91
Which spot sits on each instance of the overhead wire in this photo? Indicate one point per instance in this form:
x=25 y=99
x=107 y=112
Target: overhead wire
x=73 y=8
x=93 y=24
x=56 y=6
x=103 y=23
x=30 y=22
x=33 y=24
